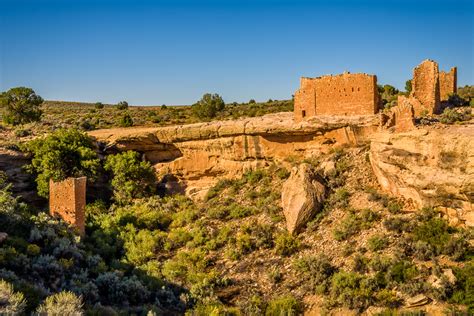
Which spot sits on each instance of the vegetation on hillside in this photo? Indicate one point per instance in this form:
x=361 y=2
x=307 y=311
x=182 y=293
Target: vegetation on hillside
x=230 y=253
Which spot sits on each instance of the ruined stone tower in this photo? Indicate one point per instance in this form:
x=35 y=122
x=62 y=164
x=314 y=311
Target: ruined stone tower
x=430 y=87
x=67 y=199
x=344 y=94
x=448 y=83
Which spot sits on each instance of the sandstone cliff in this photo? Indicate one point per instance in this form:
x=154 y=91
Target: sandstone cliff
x=198 y=153
x=431 y=167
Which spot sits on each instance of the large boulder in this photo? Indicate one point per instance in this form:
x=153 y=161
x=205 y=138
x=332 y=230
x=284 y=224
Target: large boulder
x=302 y=197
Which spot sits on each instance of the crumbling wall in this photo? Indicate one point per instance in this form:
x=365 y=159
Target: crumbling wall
x=447 y=83
x=345 y=94
x=425 y=88
x=67 y=199
x=400 y=118
x=404 y=115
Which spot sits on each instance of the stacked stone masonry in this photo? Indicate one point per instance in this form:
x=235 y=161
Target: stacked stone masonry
x=67 y=200
x=447 y=83
x=345 y=94
x=430 y=87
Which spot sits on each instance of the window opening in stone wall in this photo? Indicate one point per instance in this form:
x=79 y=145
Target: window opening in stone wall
x=303 y=113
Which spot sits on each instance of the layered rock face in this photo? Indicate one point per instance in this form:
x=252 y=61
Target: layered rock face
x=302 y=197
x=431 y=167
x=198 y=153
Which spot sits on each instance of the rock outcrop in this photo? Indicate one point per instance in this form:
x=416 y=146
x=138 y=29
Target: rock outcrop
x=196 y=154
x=302 y=196
x=431 y=167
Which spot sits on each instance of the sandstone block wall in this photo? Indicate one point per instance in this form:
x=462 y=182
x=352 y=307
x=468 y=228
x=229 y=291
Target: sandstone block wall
x=448 y=83
x=425 y=88
x=345 y=94
x=67 y=199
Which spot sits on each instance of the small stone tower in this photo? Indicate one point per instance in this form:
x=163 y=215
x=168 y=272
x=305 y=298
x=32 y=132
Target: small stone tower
x=67 y=199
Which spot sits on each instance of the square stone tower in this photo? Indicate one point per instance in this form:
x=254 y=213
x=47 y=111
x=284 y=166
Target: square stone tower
x=425 y=89
x=67 y=199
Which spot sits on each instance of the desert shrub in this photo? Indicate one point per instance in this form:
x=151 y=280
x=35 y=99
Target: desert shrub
x=22 y=105
x=132 y=177
x=464 y=288
x=208 y=106
x=20 y=132
x=284 y=306
x=99 y=105
x=274 y=275
x=351 y=290
x=433 y=231
x=122 y=105
x=212 y=309
x=286 y=244
x=253 y=306
x=11 y=302
x=141 y=245
x=377 y=242
x=352 y=224
x=64 y=153
x=360 y=263
x=394 y=207
x=317 y=270
x=397 y=224
x=126 y=120
x=62 y=303
x=401 y=271
x=455 y=100
x=450 y=116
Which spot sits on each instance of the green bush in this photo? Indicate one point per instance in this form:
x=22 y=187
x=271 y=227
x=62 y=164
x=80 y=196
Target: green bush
x=286 y=244
x=122 y=105
x=208 y=106
x=11 y=302
x=351 y=290
x=450 y=116
x=22 y=106
x=99 y=105
x=126 y=120
x=316 y=270
x=62 y=303
x=64 y=153
x=377 y=242
x=132 y=177
x=353 y=223
x=284 y=306
x=464 y=290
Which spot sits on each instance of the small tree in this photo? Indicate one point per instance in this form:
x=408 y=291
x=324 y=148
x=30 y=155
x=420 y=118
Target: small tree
x=408 y=86
x=132 y=177
x=22 y=106
x=99 y=105
x=126 y=120
x=208 y=106
x=63 y=303
x=64 y=153
x=122 y=105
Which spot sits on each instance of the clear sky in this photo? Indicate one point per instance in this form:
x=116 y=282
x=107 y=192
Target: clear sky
x=171 y=52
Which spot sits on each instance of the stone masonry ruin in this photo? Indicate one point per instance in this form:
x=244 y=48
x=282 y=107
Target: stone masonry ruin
x=448 y=83
x=344 y=94
x=430 y=87
x=67 y=200
x=356 y=94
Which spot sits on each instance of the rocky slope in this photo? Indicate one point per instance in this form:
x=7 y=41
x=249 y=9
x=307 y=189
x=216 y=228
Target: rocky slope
x=430 y=165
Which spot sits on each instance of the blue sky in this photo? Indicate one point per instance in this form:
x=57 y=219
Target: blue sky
x=172 y=52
